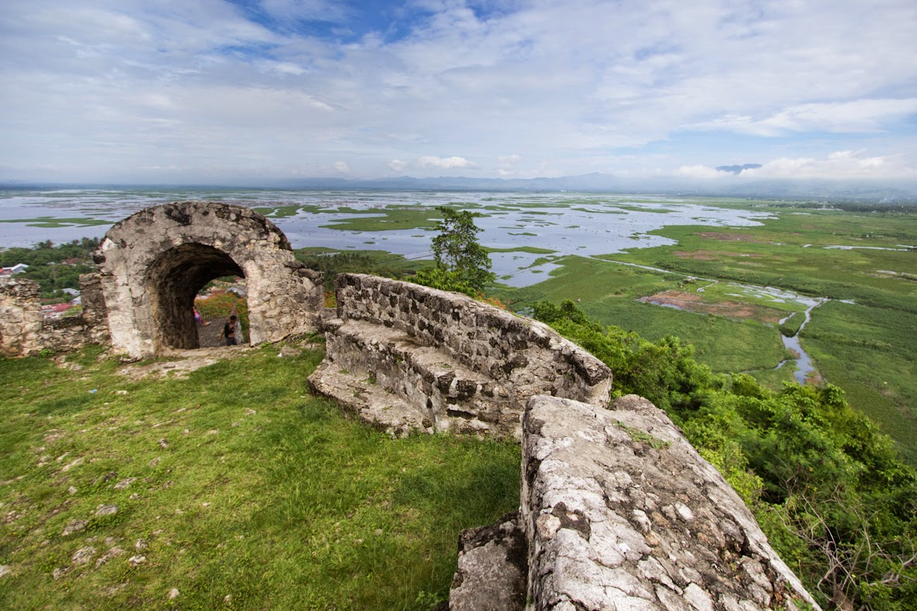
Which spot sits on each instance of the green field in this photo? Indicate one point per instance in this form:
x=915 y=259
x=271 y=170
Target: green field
x=234 y=489
x=864 y=339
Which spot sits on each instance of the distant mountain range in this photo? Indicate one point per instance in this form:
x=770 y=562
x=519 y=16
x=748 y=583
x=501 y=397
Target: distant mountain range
x=765 y=188
x=892 y=192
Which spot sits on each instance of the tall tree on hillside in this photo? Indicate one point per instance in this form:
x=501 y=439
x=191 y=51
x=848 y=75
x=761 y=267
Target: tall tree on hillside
x=457 y=251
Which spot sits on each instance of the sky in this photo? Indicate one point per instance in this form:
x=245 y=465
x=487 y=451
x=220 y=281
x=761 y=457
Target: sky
x=255 y=91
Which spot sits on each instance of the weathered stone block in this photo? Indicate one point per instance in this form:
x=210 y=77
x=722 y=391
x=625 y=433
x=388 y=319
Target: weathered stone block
x=620 y=512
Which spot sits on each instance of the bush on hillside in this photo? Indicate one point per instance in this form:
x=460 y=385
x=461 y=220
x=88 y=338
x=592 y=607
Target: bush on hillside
x=837 y=502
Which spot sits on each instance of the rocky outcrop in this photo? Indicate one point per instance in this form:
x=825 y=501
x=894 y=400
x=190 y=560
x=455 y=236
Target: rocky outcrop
x=405 y=357
x=492 y=568
x=620 y=512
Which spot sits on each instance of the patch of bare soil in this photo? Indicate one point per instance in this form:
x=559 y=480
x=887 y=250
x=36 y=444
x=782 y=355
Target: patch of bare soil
x=709 y=255
x=180 y=363
x=729 y=237
x=691 y=302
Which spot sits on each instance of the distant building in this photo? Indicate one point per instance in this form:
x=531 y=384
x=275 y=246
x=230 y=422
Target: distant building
x=16 y=269
x=55 y=311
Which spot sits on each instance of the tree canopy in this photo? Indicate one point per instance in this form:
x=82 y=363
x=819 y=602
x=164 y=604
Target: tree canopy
x=461 y=261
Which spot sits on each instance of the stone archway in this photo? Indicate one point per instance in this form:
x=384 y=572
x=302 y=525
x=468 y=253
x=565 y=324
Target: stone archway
x=154 y=262
x=175 y=278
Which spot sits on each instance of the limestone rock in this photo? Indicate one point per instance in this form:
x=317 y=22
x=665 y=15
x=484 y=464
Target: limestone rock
x=74 y=526
x=491 y=572
x=620 y=512
x=84 y=555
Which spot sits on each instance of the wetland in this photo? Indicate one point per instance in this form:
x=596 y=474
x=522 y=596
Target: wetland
x=735 y=278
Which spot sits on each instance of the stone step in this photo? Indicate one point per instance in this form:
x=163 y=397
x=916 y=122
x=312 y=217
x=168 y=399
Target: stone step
x=372 y=404
x=445 y=394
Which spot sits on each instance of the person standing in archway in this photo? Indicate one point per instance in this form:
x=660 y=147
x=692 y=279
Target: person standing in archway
x=229 y=331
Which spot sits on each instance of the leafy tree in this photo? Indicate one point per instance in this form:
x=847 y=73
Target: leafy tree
x=444 y=280
x=457 y=251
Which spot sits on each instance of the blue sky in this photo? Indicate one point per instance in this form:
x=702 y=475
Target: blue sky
x=220 y=91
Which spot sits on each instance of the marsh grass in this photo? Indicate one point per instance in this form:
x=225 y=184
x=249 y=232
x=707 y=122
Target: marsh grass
x=51 y=222
x=872 y=354
x=238 y=488
x=608 y=292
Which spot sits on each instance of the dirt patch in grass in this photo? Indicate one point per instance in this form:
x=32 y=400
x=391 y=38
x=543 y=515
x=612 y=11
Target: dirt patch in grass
x=180 y=363
x=729 y=237
x=691 y=302
x=709 y=255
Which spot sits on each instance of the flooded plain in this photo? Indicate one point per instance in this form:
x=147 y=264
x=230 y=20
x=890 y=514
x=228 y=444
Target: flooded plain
x=555 y=224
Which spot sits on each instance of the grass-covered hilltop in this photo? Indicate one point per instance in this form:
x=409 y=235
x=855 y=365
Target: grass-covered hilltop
x=785 y=348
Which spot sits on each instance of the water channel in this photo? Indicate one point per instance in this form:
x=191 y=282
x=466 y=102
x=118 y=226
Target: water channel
x=804 y=364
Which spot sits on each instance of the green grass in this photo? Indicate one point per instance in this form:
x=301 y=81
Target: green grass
x=608 y=293
x=261 y=496
x=790 y=251
x=872 y=354
x=867 y=349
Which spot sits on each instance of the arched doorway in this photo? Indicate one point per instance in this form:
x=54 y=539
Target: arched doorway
x=174 y=279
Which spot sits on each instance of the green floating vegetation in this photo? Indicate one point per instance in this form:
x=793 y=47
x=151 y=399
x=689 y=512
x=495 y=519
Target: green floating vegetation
x=533 y=250
x=54 y=222
x=387 y=219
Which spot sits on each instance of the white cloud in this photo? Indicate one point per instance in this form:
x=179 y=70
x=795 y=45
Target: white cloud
x=447 y=163
x=109 y=86
x=858 y=116
x=698 y=171
x=840 y=165
x=341 y=166
x=397 y=165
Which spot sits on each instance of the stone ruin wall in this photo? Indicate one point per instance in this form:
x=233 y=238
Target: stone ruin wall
x=617 y=509
x=24 y=331
x=151 y=266
x=445 y=362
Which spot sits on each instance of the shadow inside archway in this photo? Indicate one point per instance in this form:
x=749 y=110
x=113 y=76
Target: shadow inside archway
x=173 y=282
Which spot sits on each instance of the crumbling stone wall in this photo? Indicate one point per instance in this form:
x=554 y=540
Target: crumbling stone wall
x=24 y=331
x=20 y=317
x=154 y=262
x=618 y=511
x=407 y=357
